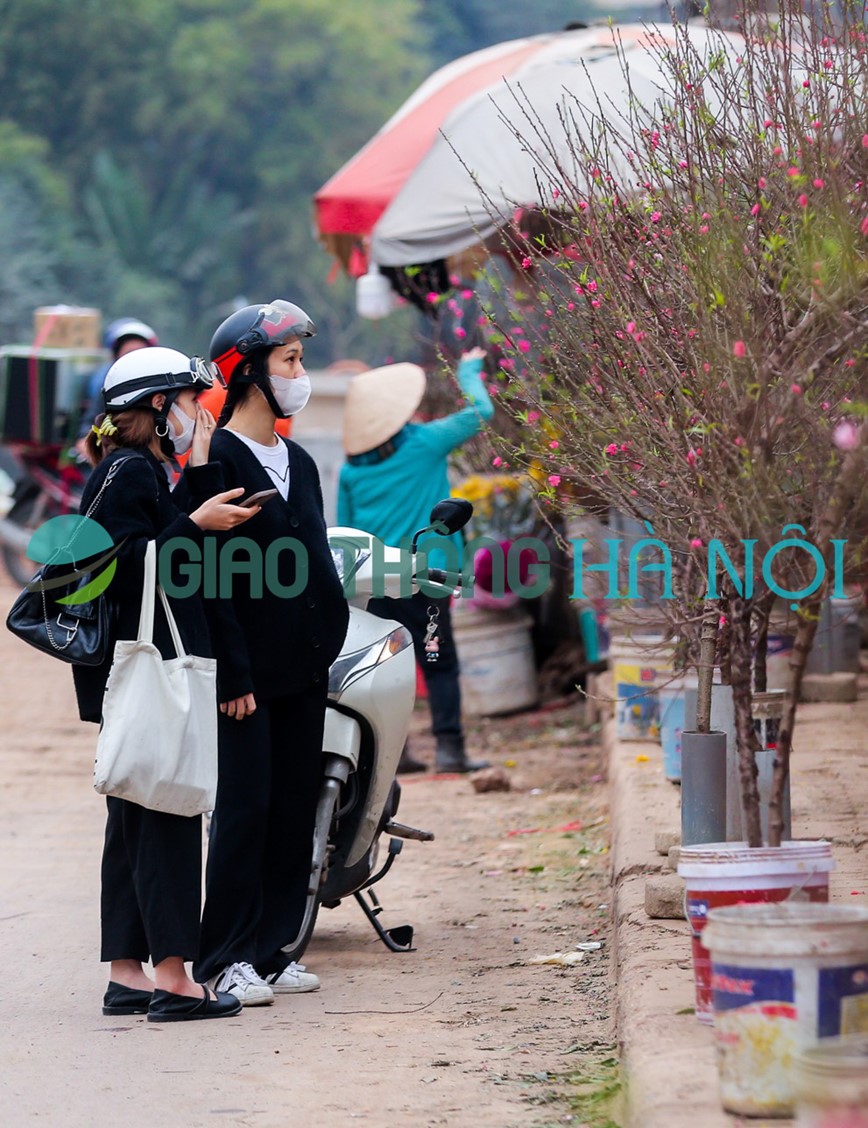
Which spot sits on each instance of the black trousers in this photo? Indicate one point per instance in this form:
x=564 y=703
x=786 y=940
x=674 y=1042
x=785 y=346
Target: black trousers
x=441 y=677
x=151 y=884
x=261 y=845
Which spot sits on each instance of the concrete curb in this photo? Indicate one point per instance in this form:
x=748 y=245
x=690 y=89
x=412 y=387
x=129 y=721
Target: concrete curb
x=668 y=1057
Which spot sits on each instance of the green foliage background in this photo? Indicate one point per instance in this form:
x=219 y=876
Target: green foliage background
x=158 y=157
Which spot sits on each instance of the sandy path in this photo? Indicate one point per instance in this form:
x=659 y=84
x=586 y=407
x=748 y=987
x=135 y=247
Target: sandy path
x=461 y=1032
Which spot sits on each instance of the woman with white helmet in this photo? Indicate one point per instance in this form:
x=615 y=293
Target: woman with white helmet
x=151 y=866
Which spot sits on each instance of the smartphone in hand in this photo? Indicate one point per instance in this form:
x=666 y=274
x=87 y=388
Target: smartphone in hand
x=258 y=498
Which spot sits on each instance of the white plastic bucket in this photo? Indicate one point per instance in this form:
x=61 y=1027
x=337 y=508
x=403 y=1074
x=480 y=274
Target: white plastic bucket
x=639 y=668
x=778 y=657
x=498 y=674
x=784 y=978
x=730 y=873
x=832 y=1084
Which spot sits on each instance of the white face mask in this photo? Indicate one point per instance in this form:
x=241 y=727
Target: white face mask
x=291 y=395
x=183 y=438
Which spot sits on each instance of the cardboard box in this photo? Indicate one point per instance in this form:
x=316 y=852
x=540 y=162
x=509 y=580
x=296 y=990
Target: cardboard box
x=66 y=327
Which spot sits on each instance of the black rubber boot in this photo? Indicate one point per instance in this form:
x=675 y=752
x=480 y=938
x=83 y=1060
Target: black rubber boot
x=451 y=756
x=407 y=764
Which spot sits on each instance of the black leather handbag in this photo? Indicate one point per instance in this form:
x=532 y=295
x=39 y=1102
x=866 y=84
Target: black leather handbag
x=80 y=634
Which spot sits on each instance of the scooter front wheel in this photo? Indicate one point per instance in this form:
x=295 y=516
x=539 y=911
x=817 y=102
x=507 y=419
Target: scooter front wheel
x=297 y=948
x=28 y=512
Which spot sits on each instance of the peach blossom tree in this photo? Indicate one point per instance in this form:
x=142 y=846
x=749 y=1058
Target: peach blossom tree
x=691 y=343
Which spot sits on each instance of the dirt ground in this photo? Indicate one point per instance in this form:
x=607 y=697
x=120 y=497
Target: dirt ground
x=464 y=1031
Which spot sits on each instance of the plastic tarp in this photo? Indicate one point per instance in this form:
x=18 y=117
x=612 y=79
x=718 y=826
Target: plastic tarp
x=499 y=147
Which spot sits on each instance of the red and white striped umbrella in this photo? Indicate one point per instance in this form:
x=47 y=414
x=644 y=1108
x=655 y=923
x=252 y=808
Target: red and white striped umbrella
x=433 y=181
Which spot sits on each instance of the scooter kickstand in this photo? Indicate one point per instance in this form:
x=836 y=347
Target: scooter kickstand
x=399 y=939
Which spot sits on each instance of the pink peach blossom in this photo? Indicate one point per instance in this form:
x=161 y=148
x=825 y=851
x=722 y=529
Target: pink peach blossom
x=554 y=480
x=739 y=349
x=846 y=436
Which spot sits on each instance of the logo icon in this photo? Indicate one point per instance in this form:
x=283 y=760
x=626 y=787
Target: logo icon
x=83 y=545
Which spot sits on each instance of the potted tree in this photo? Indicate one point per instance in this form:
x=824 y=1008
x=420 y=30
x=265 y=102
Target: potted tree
x=701 y=338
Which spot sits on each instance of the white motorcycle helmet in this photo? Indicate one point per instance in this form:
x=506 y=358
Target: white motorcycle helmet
x=140 y=374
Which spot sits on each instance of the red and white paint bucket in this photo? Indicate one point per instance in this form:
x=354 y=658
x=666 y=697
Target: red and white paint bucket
x=731 y=873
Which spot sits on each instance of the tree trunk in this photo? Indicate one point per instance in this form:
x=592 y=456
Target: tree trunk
x=741 y=653
x=761 y=646
x=707 y=646
x=847 y=486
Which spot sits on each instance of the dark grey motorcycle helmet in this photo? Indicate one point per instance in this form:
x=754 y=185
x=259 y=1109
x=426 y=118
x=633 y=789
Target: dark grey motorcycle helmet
x=257 y=327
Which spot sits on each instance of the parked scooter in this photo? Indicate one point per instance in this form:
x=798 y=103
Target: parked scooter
x=372 y=686
x=46 y=485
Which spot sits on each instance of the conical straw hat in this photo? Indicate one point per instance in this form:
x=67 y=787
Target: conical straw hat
x=378 y=404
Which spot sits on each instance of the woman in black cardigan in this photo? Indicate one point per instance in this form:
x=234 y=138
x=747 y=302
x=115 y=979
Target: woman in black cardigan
x=151 y=866
x=274 y=647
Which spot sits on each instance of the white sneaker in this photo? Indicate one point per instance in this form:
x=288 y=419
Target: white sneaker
x=242 y=981
x=293 y=980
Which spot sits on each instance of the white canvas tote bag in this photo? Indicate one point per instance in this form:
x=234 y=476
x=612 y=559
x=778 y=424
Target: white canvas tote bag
x=157 y=744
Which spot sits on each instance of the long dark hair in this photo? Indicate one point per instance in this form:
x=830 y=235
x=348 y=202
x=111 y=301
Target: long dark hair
x=241 y=383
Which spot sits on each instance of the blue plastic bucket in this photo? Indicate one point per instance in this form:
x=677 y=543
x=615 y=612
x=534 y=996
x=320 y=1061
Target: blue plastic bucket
x=672 y=707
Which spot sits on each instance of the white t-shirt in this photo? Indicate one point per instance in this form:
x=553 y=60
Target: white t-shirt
x=275 y=460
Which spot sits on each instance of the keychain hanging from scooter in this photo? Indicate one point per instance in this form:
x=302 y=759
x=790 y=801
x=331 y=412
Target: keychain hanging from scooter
x=432 y=646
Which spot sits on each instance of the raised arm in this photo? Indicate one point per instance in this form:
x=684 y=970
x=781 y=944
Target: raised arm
x=444 y=435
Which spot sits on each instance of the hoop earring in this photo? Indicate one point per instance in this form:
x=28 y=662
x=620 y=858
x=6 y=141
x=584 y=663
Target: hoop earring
x=162 y=434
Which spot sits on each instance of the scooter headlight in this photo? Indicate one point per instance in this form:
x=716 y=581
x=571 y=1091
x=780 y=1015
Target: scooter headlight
x=351 y=667
x=348 y=560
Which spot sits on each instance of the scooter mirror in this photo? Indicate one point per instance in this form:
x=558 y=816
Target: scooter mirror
x=451 y=512
x=447 y=516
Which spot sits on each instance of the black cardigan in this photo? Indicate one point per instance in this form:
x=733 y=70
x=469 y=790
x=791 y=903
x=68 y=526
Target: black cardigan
x=138 y=505
x=267 y=643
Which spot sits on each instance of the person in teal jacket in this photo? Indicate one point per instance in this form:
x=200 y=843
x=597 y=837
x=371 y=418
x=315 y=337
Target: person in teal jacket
x=395 y=472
